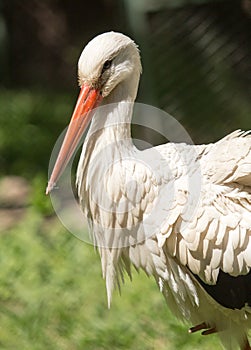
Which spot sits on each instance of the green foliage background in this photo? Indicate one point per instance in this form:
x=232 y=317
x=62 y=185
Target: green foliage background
x=52 y=296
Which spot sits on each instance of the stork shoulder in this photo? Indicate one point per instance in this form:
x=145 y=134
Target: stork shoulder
x=229 y=160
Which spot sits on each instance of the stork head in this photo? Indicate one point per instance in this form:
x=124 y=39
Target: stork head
x=109 y=65
x=107 y=60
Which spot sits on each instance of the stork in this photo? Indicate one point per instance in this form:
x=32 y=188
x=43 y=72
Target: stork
x=200 y=258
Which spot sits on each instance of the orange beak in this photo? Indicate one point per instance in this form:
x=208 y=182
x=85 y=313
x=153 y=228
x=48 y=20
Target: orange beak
x=88 y=99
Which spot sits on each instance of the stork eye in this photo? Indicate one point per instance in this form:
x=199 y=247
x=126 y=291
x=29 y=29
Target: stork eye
x=106 y=65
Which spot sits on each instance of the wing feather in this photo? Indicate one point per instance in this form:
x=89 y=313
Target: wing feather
x=229 y=160
x=217 y=236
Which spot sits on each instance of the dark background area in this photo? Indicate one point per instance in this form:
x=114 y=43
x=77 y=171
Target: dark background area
x=45 y=38
x=196 y=65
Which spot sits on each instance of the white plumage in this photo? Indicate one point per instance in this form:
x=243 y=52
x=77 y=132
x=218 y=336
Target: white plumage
x=180 y=212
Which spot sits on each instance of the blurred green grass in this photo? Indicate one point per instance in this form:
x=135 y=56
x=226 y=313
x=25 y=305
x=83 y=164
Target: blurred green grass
x=52 y=295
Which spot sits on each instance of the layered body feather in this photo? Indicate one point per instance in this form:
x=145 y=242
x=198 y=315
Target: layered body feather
x=179 y=212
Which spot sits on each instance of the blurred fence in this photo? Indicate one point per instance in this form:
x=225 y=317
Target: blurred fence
x=198 y=62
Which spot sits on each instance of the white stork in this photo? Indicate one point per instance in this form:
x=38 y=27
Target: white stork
x=200 y=258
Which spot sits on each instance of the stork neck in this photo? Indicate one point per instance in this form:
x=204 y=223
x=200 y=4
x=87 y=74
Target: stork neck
x=112 y=119
x=111 y=123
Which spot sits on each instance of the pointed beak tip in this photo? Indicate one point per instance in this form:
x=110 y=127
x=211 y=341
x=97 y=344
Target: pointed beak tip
x=49 y=188
x=47 y=191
